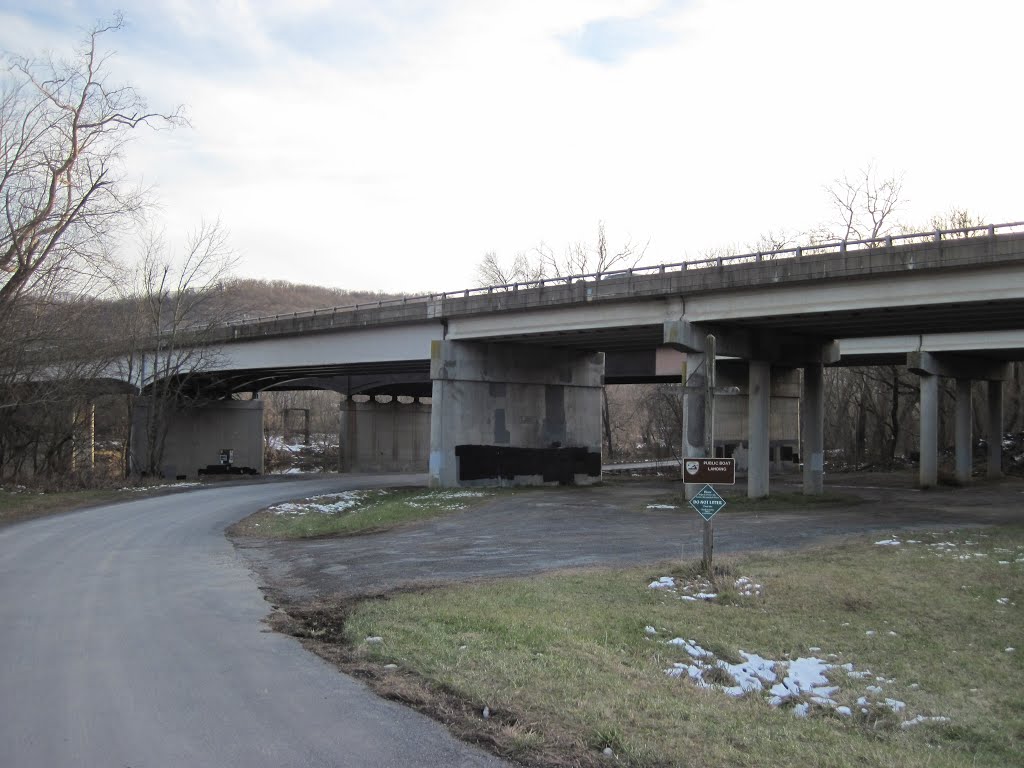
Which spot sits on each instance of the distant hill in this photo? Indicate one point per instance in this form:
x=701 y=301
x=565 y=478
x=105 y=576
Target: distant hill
x=87 y=319
x=248 y=298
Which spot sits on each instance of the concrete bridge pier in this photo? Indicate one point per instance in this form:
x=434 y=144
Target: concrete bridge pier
x=514 y=414
x=813 y=437
x=388 y=434
x=965 y=369
x=995 y=429
x=770 y=381
x=195 y=435
x=929 y=442
x=964 y=428
x=759 y=399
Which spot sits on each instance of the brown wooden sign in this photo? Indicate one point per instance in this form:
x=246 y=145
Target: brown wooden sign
x=716 y=471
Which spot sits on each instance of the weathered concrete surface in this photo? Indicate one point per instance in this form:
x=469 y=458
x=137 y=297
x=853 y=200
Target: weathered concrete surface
x=543 y=405
x=384 y=437
x=552 y=528
x=196 y=436
x=132 y=635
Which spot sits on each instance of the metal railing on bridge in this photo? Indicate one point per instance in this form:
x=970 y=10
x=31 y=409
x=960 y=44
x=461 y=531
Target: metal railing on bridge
x=815 y=249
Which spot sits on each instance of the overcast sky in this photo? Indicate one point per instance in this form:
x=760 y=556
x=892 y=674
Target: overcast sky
x=388 y=144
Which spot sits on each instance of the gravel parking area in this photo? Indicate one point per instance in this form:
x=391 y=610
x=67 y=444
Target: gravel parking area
x=551 y=528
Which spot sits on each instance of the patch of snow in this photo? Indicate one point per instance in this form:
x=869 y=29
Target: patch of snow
x=801 y=682
x=327 y=504
x=922 y=719
x=1010 y=649
x=665 y=582
x=649 y=630
x=662 y=506
x=690 y=647
x=439 y=497
x=748 y=587
x=871 y=633
x=1003 y=600
x=374 y=640
x=888 y=543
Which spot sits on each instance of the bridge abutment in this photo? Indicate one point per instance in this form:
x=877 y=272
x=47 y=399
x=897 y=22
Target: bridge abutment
x=514 y=414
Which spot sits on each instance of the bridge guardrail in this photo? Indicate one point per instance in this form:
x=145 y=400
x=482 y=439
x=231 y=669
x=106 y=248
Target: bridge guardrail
x=800 y=251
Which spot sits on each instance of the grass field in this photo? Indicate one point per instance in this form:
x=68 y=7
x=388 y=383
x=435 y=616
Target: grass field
x=21 y=505
x=574 y=668
x=352 y=512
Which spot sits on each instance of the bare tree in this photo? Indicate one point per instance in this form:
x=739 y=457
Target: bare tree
x=64 y=196
x=864 y=206
x=491 y=271
x=172 y=317
x=63 y=129
x=577 y=259
x=582 y=259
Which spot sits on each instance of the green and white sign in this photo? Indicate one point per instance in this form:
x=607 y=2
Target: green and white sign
x=707 y=502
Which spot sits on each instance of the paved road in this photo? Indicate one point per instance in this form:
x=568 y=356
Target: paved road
x=550 y=528
x=131 y=635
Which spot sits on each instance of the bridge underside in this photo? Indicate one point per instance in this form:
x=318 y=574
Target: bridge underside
x=886 y=305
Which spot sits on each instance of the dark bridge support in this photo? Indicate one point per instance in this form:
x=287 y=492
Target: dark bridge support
x=813 y=437
x=196 y=435
x=966 y=370
x=770 y=385
x=514 y=414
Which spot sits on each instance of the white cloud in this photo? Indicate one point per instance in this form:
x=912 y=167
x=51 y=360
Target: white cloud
x=431 y=133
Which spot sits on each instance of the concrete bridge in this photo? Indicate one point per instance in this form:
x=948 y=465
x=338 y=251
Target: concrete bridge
x=515 y=372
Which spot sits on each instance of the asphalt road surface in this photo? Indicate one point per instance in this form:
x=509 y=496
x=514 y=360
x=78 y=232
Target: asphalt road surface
x=131 y=635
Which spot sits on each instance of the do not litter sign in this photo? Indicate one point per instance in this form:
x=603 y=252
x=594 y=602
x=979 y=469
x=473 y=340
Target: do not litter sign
x=707 y=502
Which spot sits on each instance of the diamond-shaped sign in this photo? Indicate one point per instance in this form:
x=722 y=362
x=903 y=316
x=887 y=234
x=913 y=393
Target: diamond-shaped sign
x=707 y=502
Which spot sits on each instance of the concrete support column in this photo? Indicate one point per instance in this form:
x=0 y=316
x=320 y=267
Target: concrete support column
x=929 y=444
x=693 y=412
x=964 y=430
x=517 y=414
x=348 y=436
x=995 y=429
x=813 y=438
x=758 y=423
